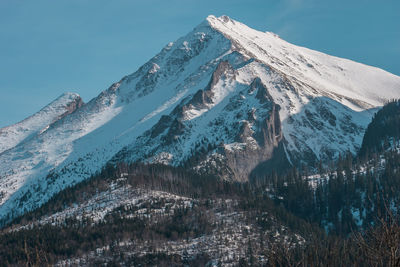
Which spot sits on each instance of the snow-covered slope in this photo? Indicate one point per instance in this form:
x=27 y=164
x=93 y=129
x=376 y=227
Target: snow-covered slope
x=224 y=98
x=338 y=78
x=13 y=135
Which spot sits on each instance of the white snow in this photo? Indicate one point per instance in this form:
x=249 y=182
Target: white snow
x=36 y=124
x=154 y=69
x=335 y=76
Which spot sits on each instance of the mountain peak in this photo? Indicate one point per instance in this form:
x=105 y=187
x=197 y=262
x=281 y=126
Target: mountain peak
x=217 y=22
x=211 y=17
x=223 y=18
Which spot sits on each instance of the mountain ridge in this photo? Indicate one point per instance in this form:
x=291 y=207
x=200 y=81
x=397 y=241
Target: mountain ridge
x=63 y=105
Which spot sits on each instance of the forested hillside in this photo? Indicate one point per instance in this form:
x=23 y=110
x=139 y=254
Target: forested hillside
x=153 y=214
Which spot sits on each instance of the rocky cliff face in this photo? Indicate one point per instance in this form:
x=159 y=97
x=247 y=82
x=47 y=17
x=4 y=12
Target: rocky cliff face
x=244 y=132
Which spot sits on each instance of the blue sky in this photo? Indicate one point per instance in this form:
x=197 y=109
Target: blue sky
x=49 y=47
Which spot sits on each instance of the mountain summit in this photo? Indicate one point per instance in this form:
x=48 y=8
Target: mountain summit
x=225 y=99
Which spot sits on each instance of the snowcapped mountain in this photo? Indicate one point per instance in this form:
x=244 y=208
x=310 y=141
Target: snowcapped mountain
x=223 y=99
x=39 y=122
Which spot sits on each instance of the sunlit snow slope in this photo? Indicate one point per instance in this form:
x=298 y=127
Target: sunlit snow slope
x=13 y=135
x=224 y=98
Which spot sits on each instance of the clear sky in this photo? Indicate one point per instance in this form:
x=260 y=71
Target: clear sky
x=48 y=47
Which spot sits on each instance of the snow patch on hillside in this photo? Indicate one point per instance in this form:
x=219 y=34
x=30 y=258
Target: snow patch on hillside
x=39 y=122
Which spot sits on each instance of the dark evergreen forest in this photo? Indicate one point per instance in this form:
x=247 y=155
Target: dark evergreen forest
x=347 y=213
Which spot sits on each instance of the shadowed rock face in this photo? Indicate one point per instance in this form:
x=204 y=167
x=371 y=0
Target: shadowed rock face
x=202 y=98
x=268 y=137
x=72 y=106
x=224 y=68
